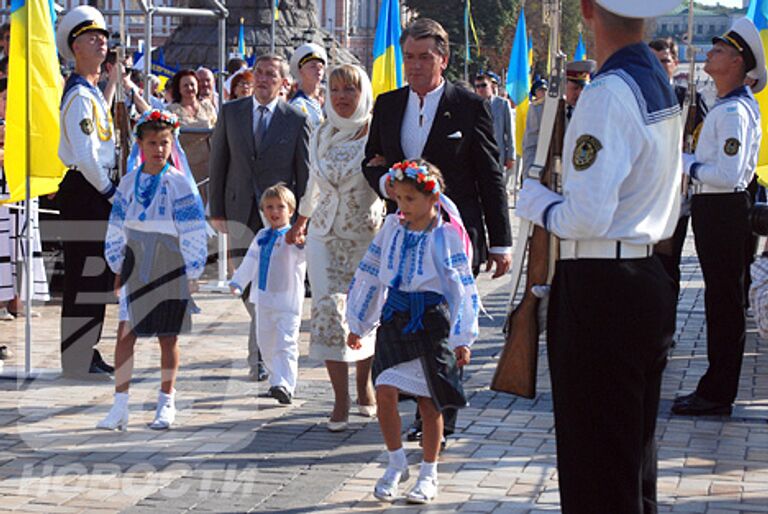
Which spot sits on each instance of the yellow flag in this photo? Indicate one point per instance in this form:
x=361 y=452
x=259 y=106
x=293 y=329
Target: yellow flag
x=34 y=95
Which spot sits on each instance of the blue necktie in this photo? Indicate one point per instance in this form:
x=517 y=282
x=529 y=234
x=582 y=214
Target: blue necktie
x=261 y=126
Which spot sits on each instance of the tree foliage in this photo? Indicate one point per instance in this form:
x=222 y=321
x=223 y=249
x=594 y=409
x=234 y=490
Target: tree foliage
x=495 y=21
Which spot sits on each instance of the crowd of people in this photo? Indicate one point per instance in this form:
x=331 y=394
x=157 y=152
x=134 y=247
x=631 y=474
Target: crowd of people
x=387 y=209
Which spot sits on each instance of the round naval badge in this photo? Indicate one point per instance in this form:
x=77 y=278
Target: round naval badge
x=87 y=126
x=585 y=152
x=731 y=147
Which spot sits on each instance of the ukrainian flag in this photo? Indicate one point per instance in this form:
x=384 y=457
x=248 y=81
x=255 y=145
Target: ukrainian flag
x=387 y=55
x=241 y=40
x=519 y=79
x=758 y=13
x=581 y=50
x=34 y=87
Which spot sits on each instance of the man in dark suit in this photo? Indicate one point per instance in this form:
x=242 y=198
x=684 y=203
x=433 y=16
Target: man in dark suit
x=257 y=142
x=453 y=129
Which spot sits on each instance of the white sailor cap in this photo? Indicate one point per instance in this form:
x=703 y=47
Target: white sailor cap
x=745 y=38
x=304 y=54
x=635 y=9
x=79 y=20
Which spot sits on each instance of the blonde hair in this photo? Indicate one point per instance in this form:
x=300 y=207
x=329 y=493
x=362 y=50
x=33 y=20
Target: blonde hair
x=346 y=74
x=280 y=191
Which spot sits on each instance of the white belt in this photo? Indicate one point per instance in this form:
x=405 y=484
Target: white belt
x=609 y=249
x=706 y=189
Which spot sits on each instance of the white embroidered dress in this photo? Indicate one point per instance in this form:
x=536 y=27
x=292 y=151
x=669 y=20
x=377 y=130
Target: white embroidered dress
x=438 y=263
x=175 y=210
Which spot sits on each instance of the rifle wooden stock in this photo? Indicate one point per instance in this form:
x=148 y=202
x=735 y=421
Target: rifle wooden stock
x=518 y=362
x=123 y=124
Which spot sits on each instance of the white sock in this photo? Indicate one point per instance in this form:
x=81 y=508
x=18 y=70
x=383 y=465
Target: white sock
x=428 y=469
x=397 y=459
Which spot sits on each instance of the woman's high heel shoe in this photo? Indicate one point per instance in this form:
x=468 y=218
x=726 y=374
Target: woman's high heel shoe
x=117 y=419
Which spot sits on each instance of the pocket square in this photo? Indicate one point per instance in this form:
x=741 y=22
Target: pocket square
x=455 y=135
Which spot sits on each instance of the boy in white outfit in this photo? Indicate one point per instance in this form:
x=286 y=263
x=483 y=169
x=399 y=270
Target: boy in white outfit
x=276 y=273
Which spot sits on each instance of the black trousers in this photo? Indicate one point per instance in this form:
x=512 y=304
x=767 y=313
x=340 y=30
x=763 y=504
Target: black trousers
x=88 y=281
x=608 y=340
x=721 y=231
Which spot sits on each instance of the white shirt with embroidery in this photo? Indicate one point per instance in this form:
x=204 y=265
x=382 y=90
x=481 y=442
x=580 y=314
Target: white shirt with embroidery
x=282 y=277
x=437 y=263
x=174 y=210
x=417 y=121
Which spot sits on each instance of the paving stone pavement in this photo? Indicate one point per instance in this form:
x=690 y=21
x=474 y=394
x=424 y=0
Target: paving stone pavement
x=233 y=451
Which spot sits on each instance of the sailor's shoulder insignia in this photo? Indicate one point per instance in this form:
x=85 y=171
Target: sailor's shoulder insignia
x=86 y=125
x=585 y=152
x=731 y=146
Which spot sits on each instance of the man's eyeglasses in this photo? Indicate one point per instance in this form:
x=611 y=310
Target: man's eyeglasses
x=666 y=61
x=481 y=86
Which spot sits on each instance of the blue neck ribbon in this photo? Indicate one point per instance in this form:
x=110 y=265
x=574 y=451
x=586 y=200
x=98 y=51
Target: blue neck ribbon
x=266 y=244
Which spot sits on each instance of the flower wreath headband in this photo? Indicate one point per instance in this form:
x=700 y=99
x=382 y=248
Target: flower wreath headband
x=166 y=117
x=426 y=182
x=178 y=157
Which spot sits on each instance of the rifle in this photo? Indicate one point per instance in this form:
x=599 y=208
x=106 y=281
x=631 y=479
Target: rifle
x=516 y=370
x=122 y=120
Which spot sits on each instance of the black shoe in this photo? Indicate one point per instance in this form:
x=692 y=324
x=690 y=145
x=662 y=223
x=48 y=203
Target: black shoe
x=280 y=394
x=98 y=362
x=695 y=405
x=94 y=374
x=684 y=398
x=261 y=373
x=3 y=352
x=414 y=431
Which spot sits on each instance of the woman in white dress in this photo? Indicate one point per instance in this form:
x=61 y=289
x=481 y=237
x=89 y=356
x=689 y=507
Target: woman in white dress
x=346 y=214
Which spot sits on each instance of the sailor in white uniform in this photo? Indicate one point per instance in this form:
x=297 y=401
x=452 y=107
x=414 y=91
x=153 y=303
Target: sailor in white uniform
x=611 y=298
x=720 y=171
x=308 y=69
x=87 y=147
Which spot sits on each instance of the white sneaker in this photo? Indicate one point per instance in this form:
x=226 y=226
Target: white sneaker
x=424 y=491
x=166 y=411
x=117 y=419
x=387 y=486
x=5 y=315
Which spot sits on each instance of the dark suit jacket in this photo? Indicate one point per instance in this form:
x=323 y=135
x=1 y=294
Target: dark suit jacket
x=469 y=164
x=240 y=173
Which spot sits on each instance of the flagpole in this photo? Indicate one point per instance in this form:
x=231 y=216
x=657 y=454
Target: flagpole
x=28 y=278
x=272 y=28
x=466 y=39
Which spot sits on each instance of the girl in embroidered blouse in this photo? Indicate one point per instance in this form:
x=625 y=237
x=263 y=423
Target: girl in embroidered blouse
x=275 y=271
x=156 y=245
x=415 y=282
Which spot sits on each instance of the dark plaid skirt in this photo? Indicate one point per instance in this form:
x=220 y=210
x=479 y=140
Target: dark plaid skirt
x=159 y=302
x=430 y=346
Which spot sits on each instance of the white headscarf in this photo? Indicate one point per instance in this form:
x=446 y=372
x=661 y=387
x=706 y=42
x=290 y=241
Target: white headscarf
x=337 y=129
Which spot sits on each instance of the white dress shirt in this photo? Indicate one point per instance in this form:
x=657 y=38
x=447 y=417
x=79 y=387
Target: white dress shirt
x=270 y=111
x=417 y=120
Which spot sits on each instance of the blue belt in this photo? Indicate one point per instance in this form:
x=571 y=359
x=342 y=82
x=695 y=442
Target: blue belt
x=415 y=303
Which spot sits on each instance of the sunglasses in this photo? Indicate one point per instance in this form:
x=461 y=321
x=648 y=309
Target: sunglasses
x=480 y=86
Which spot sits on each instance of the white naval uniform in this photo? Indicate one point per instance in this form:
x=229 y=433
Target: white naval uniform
x=721 y=169
x=310 y=107
x=276 y=277
x=611 y=304
x=717 y=167
x=87 y=140
x=87 y=147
